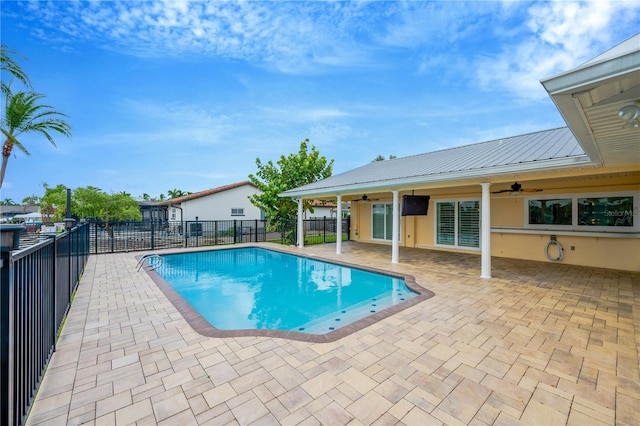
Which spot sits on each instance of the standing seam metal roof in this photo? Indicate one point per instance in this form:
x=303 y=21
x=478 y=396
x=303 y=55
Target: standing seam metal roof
x=533 y=147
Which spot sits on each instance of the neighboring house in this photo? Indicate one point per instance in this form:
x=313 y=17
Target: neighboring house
x=569 y=195
x=227 y=202
x=152 y=211
x=327 y=209
x=7 y=213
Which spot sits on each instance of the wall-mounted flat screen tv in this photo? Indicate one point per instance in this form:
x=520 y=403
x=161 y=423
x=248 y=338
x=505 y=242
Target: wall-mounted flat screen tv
x=415 y=205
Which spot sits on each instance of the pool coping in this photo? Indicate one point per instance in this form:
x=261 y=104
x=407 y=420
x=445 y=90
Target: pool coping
x=203 y=327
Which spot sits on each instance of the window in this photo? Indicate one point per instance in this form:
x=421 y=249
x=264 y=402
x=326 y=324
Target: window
x=446 y=223
x=469 y=224
x=173 y=214
x=458 y=223
x=606 y=211
x=382 y=221
x=588 y=212
x=236 y=211
x=550 y=212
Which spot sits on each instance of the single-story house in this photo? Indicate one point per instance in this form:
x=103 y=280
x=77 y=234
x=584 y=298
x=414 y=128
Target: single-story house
x=152 y=211
x=327 y=209
x=226 y=202
x=8 y=213
x=570 y=194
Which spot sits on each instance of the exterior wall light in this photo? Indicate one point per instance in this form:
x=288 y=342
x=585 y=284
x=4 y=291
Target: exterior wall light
x=630 y=114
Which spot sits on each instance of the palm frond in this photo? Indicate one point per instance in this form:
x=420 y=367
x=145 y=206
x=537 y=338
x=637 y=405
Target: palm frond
x=24 y=114
x=9 y=65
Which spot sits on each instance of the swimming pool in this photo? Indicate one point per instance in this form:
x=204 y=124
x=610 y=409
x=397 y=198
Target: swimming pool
x=252 y=288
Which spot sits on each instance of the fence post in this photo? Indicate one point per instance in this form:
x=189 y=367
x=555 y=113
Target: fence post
x=6 y=361
x=153 y=242
x=324 y=229
x=235 y=232
x=95 y=228
x=186 y=233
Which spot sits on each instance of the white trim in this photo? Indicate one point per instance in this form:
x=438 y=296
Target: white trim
x=548 y=231
x=395 y=228
x=455 y=246
x=574 y=213
x=485 y=231
x=339 y=226
x=300 y=224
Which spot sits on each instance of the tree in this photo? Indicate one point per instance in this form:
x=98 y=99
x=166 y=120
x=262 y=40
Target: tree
x=289 y=172
x=381 y=158
x=31 y=200
x=8 y=64
x=7 y=202
x=89 y=202
x=53 y=203
x=24 y=114
x=175 y=193
x=121 y=206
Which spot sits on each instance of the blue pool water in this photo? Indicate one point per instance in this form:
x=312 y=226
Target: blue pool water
x=254 y=288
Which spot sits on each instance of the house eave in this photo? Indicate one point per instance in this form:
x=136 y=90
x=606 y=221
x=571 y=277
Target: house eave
x=475 y=175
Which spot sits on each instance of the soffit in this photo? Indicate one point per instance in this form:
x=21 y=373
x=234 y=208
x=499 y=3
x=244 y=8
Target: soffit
x=589 y=98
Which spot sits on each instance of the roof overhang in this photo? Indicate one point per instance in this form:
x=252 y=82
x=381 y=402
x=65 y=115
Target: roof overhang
x=492 y=175
x=589 y=98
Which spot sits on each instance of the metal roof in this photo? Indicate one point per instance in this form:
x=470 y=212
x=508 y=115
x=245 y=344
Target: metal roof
x=543 y=150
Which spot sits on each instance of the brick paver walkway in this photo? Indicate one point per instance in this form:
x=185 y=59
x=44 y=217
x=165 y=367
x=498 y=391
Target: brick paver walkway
x=540 y=343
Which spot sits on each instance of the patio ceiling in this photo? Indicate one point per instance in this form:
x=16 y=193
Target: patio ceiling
x=589 y=98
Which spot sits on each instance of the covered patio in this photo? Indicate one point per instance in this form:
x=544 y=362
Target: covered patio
x=539 y=343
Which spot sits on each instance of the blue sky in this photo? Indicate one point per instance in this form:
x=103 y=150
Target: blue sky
x=187 y=95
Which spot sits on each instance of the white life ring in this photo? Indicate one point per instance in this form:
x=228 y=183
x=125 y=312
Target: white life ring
x=546 y=251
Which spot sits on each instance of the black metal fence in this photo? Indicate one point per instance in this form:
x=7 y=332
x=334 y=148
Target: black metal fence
x=136 y=236
x=37 y=286
x=39 y=280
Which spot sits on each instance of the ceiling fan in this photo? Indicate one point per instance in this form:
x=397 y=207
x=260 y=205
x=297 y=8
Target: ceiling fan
x=516 y=188
x=365 y=199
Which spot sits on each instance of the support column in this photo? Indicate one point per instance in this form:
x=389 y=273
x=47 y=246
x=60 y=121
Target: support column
x=485 y=231
x=300 y=224
x=395 y=230
x=339 y=226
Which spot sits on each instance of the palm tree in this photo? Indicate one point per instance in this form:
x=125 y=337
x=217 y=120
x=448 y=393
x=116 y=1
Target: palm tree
x=24 y=114
x=175 y=193
x=7 y=64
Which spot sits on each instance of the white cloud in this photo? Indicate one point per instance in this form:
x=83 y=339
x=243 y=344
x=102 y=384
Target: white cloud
x=562 y=36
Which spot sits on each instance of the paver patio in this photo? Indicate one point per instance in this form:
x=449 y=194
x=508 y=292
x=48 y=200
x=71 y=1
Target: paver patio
x=540 y=343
